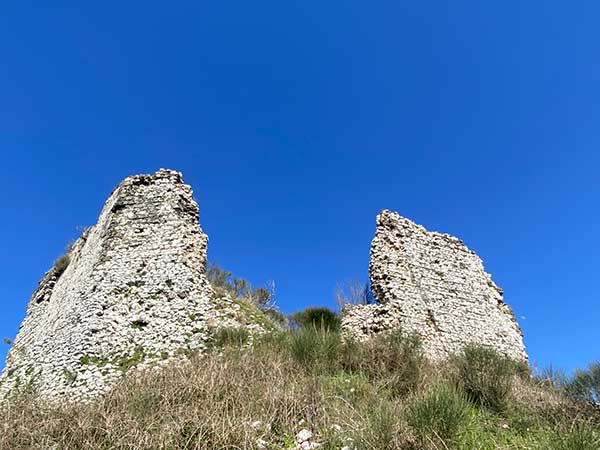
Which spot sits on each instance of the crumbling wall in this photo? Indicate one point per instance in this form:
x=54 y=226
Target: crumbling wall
x=135 y=294
x=431 y=284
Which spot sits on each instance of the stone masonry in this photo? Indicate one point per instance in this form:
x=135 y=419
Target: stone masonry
x=134 y=294
x=431 y=284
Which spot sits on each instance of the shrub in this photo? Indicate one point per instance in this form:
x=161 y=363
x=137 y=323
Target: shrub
x=317 y=318
x=485 y=376
x=393 y=359
x=551 y=377
x=437 y=418
x=238 y=287
x=316 y=351
x=61 y=263
x=585 y=384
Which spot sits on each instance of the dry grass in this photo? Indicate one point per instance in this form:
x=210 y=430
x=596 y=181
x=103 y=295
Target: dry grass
x=206 y=404
x=234 y=399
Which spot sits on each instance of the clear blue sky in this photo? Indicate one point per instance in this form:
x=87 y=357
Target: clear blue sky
x=296 y=122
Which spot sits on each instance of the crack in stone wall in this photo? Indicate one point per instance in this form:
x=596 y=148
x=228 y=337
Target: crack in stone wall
x=431 y=284
x=135 y=293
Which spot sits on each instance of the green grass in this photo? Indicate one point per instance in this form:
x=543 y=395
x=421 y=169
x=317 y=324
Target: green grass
x=376 y=395
x=438 y=417
x=230 y=337
x=485 y=376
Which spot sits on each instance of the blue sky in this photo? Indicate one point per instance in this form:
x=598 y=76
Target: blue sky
x=296 y=122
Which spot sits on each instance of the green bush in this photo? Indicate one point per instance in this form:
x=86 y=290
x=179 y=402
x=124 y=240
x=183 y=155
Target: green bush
x=485 y=376
x=585 y=384
x=317 y=318
x=437 y=418
x=315 y=350
x=394 y=359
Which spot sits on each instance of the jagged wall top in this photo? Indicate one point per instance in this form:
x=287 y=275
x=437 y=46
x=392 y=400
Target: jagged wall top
x=432 y=284
x=134 y=293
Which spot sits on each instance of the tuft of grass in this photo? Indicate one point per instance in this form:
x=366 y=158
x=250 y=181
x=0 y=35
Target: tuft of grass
x=145 y=404
x=235 y=337
x=438 y=416
x=581 y=436
x=315 y=351
x=124 y=363
x=382 y=428
x=485 y=376
x=394 y=358
x=351 y=388
x=61 y=263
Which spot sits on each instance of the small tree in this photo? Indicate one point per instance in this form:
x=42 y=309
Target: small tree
x=585 y=384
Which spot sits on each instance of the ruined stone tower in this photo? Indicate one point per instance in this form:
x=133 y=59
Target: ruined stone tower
x=131 y=292
x=431 y=284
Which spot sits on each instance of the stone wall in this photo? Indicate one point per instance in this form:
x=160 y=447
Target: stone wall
x=135 y=293
x=431 y=284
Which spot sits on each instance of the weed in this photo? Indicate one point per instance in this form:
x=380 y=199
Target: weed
x=230 y=337
x=485 y=376
x=437 y=418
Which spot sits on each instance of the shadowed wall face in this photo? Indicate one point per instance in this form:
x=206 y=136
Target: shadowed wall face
x=431 y=284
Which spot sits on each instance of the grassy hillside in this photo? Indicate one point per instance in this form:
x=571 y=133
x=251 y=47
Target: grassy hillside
x=309 y=389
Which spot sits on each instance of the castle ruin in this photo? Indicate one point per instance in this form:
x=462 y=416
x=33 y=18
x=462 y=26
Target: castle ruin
x=432 y=285
x=132 y=292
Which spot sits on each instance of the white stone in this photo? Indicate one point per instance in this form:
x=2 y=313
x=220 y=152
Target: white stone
x=304 y=435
